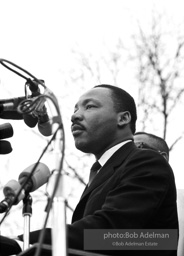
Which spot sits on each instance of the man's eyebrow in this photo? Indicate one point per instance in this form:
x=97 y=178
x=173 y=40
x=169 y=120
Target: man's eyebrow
x=90 y=99
x=84 y=102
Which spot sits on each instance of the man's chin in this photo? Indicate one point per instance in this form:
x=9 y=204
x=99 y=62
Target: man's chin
x=82 y=146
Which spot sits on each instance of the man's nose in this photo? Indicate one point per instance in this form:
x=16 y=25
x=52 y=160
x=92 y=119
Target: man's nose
x=77 y=115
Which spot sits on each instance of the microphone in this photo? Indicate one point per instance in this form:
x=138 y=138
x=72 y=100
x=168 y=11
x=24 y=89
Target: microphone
x=10 y=104
x=5 y=147
x=30 y=120
x=6 y=131
x=44 y=124
x=8 y=108
x=14 y=115
x=10 y=190
x=39 y=178
x=40 y=113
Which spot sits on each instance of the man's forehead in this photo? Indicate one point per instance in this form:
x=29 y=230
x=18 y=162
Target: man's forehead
x=141 y=138
x=95 y=94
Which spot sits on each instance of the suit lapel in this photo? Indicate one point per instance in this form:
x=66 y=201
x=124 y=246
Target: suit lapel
x=106 y=172
x=109 y=168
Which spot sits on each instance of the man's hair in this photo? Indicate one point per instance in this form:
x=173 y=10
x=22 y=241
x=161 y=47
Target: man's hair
x=157 y=142
x=123 y=101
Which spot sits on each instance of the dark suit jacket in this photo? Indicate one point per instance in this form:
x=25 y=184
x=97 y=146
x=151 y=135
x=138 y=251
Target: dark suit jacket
x=8 y=246
x=135 y=189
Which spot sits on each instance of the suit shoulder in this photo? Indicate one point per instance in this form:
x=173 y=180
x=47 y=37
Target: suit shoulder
x=149 y=161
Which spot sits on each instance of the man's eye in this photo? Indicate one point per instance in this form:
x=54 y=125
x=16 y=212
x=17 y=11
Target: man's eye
x=90 y=106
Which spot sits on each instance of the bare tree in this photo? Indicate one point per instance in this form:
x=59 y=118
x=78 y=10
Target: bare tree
x=160 y=72
x=106 y=66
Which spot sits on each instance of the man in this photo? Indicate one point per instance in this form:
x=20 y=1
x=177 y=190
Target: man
x=151 y=141
x=132 y=189
x=147 y=140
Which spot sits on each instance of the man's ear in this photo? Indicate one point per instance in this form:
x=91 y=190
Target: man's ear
x=165 y=155
x=124 y=118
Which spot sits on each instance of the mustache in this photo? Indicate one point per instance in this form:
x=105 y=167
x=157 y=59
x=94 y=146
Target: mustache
x=76 y=124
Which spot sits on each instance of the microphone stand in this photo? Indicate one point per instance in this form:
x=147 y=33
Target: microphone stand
x=56 y=187
x=59 y=240
x=27 y=213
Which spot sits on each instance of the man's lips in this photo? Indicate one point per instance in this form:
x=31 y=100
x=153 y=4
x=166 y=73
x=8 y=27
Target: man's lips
x=77 y=129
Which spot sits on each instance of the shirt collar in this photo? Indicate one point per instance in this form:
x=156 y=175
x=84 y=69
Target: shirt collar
x=105 y=157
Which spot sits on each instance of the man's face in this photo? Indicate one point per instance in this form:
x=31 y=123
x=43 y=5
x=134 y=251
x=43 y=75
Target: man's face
x=94 y=122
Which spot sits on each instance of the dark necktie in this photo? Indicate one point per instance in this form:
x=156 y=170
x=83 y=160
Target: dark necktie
x=95 y=167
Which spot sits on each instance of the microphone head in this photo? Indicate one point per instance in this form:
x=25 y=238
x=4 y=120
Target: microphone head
x=5 y=147
x=11 y=189
x=6 y=131
x=44 y=123
x=39 y=178
x=45 y=128
x=30 y=120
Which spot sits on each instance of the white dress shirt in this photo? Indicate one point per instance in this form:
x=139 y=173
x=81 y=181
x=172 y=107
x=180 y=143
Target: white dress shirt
x=105 y=157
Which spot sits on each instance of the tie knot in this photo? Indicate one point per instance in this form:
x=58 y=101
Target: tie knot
x=95 y=167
